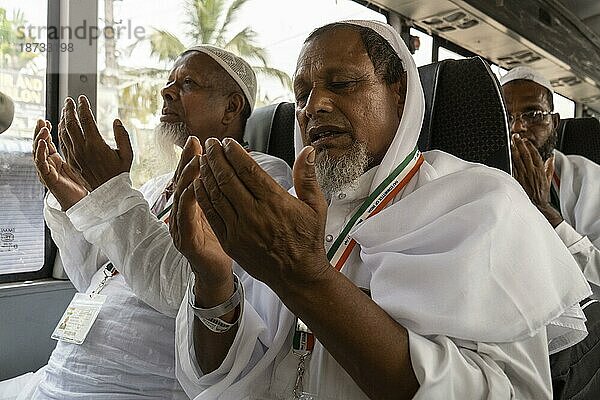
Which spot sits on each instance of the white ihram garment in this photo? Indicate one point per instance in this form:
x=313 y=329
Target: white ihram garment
x=579 y=196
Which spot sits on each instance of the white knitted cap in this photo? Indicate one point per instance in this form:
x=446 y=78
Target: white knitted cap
x=235 y=66
x=527 y=74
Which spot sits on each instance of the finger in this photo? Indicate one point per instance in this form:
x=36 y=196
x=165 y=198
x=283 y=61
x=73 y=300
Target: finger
x=214 y=191
x=252 y=177
x=87 y=121
x=189 y=173
x=173 y=216
x=41 y=134
x=72 y=126
x=36 y=131
x=48 y=139
x=518 y=166
x=65 y=143
x=305 y=181
x=210 y=213
x=536 y=158
x=549 y=168
x=191 y=148
x=188 y=205
x=41 y=159
x=528 y=170
x=124 y=147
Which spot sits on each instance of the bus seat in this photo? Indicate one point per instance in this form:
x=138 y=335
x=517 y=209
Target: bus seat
x=270 y=129
x=580 y=136
x=465 y=113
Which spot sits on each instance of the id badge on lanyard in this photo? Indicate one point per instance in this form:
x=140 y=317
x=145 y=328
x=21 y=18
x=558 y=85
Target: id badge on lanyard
x=80 y=315
x=304 y=339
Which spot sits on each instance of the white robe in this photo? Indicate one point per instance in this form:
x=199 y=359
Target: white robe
x=579 y=196
x=435 y=280
x=130 y=350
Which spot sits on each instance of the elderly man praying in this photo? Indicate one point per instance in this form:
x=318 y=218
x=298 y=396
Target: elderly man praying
x=385 y=273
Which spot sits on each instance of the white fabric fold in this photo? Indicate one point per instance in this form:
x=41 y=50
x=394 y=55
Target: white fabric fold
x=579 y=195
x=482 y=281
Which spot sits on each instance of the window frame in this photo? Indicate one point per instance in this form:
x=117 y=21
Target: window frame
x=67 y=74
x=52 y=112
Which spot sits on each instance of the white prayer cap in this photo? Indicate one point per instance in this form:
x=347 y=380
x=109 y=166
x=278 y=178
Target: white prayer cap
x=7 y=112
x=527 y=74
x=235 y=66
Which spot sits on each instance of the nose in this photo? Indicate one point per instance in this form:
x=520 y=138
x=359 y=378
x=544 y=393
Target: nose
x=517 y=125
x=169 y=92
x=319 y=101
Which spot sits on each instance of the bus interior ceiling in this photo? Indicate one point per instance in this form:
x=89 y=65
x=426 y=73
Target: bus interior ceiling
x=559 y=38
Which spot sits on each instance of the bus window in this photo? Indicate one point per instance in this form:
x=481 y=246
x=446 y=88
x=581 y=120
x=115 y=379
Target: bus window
x=23 y=52
x=445 y=54
x=564 y=106
x=423 y=55
x=132 y=67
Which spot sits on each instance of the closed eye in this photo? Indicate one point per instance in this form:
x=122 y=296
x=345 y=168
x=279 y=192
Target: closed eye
x=339 y=85
x=301 y=98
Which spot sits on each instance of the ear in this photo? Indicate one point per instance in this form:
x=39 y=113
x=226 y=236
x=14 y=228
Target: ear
x=555 y=120
x=400 y=91
x=235 y=107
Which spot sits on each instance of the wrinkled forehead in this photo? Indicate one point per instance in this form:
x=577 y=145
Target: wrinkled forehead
x=524 y=94
x=340 y=49
x=198 y=64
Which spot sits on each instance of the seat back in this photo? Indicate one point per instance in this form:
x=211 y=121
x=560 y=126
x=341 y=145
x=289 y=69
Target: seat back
x=580 y=136
x=270 y=130
x=465 y=113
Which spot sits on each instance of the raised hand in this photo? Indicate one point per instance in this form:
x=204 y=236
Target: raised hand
x=53 y=171
x=535 y=176
x=191 y=232
x=274 y=236
x=85 y=149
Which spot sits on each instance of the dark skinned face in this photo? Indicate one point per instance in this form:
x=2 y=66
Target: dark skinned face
x=522 y=96
x=340 y=100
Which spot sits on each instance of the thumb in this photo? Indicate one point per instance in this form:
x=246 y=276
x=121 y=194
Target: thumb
x=123 y=142
x=305 y=181
x=549 y=168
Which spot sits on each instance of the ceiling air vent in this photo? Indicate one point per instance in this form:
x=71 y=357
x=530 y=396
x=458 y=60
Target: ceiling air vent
x=519 y=58
x=451 y=21
x=565 y=81
x=591 y=99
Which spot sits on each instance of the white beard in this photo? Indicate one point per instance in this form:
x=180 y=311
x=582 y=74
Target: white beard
x=337 y=174
x=170 y=137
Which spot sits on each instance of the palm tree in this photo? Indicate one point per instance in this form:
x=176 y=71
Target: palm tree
x=208 y=22
x=11 y=56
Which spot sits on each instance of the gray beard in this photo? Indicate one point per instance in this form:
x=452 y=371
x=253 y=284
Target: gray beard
x=168 y=137
x=337 y=174
x=547 y=148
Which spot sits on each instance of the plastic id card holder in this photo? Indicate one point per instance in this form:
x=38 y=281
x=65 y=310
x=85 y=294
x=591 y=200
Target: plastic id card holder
x=78 y=318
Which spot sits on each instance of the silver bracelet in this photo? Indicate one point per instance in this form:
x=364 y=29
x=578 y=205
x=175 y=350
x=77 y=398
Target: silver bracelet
x=210 y=316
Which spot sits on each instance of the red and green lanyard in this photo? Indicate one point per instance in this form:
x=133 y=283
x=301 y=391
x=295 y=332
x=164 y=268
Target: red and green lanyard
x=342 y=247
